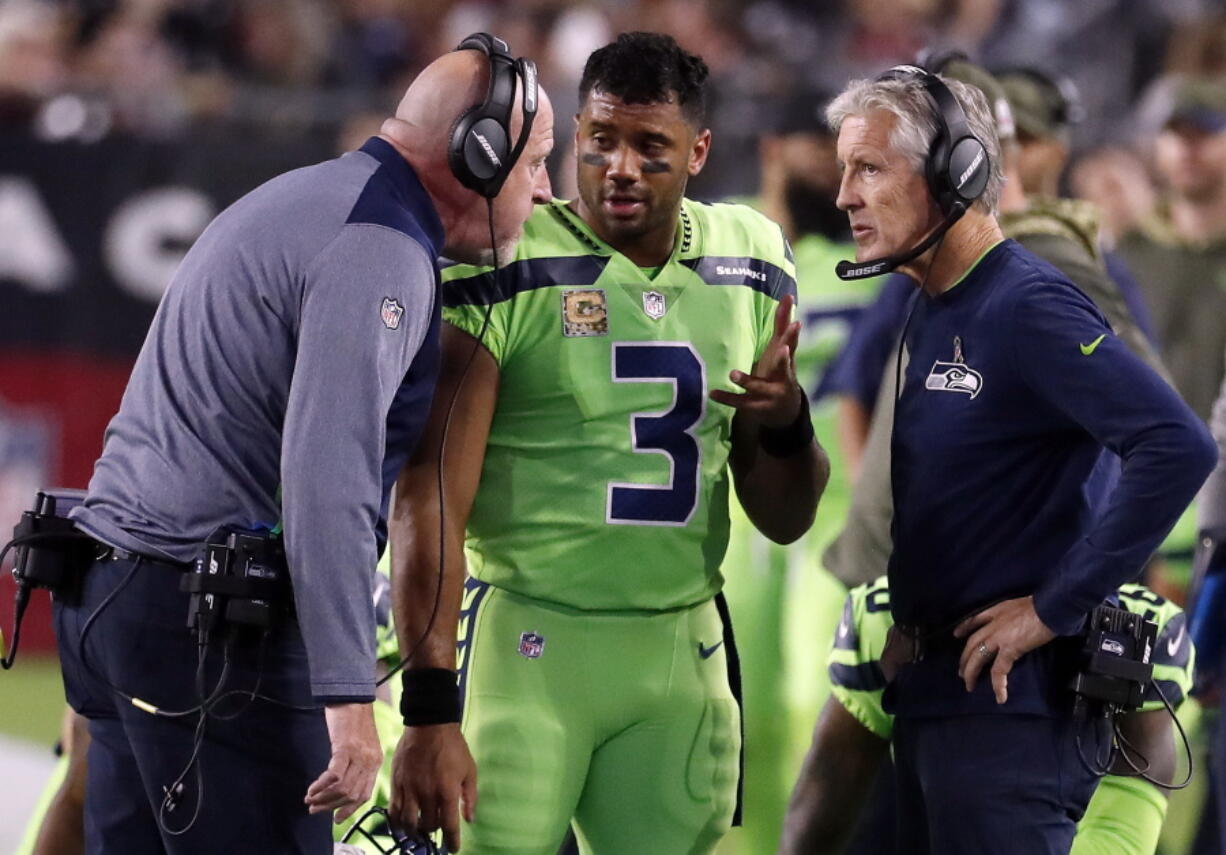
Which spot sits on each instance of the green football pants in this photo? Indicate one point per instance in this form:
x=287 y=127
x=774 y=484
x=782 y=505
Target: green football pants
x=623 y=722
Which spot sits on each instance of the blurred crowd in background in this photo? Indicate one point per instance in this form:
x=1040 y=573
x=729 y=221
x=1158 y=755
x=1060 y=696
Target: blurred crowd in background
x=125 y=125
x=85 y=69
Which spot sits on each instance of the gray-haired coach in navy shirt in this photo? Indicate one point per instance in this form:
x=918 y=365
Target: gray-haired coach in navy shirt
x=284 y=381
x=1036 y=465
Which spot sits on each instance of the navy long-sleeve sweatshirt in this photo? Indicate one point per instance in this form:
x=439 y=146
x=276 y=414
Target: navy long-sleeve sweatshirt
x=1015 y=392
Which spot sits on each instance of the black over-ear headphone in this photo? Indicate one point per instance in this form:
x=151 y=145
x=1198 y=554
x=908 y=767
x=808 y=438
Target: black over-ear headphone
x=958 y=165
x=480 y=151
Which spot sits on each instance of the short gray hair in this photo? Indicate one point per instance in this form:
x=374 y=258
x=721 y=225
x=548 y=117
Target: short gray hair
x=916 y=126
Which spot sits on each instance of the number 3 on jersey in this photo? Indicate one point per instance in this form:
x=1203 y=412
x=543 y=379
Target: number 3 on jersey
x=670 y=433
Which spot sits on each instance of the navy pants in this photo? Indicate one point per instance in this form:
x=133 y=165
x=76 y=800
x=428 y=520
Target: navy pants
x=1000 y=784
x=256 y=760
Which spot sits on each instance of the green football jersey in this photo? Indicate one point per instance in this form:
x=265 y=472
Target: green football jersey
x=856 y=678
x=605 y=480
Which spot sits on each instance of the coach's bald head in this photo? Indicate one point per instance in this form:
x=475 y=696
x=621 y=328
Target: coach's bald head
x=444 y=89
x=421 y=132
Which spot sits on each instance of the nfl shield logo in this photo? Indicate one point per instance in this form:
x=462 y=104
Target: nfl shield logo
x=391 y=313
x=653 y=304
x=531 y=645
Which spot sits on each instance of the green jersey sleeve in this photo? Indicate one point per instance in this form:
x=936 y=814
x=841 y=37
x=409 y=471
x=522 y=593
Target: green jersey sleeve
x=1124 y=818
x=470 y=305
x=775 y=247
x=1174 y=657
x=855 y=673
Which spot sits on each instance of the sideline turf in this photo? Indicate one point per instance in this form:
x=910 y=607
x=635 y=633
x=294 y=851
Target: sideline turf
x=32 y=700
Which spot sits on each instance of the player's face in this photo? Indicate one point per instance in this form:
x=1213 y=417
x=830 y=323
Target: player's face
x=634 y=162
x=886 y=198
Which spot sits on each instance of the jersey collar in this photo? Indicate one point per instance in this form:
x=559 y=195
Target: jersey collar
x=682 y=243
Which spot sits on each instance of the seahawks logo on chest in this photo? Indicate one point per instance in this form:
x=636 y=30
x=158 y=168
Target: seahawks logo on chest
x=955 y=376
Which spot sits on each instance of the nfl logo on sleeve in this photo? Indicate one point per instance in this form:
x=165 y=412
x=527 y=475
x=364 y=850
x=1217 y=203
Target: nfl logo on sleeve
x=531 y=645
x=391 y=312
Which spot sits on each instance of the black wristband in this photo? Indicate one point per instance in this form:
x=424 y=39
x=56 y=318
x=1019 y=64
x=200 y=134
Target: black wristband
x=790 y=440
x=431 y=696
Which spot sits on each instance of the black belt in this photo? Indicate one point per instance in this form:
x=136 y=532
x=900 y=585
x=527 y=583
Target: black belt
x=928 y=641
x=106 y=552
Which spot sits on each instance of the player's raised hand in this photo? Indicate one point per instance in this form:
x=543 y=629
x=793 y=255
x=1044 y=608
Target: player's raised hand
x=772 y=396
x=433 y=779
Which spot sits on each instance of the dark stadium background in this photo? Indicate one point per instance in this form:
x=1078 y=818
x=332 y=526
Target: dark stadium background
x=126 y=125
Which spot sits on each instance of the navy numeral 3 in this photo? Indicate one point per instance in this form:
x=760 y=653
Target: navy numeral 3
x=670 y=433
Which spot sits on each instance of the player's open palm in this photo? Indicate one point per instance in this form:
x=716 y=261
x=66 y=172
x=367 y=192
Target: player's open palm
x=433 y=779
x=772 y=395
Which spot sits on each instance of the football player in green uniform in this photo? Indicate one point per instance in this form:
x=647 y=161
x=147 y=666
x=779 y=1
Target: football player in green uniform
x=636 y=350
x=851 y=739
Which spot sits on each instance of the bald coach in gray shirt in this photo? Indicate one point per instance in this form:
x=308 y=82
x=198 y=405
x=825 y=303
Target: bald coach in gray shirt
x=284 y=381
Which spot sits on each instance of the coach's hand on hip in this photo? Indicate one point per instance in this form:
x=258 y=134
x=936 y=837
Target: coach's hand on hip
x=356 y=756
x=1001 y=634
x=433 y=777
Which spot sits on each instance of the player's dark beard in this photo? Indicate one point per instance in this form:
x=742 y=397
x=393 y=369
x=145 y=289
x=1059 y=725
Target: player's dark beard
x=813 y=211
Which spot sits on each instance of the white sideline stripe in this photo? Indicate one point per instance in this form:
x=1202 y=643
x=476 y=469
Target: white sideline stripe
x=26 y=768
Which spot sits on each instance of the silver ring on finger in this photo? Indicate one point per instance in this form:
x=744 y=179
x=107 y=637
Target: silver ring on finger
x=983 y=649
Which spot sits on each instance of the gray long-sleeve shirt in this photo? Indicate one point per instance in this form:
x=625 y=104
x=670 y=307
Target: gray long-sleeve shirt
x=286 y=377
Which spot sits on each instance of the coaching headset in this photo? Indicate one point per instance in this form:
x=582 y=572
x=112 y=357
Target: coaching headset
x=480 y=152
x=956 y=169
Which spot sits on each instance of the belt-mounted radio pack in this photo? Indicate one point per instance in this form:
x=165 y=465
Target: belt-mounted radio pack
x=1114 y=670
x=1114 y=666
x=50 y=553
x=240 y=578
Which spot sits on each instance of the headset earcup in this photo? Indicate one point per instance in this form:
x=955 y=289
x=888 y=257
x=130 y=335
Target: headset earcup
x=969 y=168
x=479 y=149
x=485 y=149
x=455 y=150
x=936 y=171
